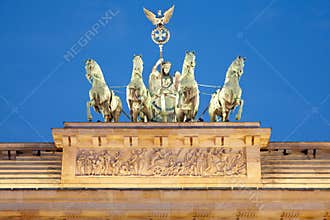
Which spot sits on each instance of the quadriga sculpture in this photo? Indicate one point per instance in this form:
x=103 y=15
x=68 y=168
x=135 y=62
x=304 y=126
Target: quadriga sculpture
x=224 y=100
x=137 y=95
x=101 y=97
x=187 y=101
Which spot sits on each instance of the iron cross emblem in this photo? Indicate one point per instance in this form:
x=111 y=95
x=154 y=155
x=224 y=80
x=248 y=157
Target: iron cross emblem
x=160 y=35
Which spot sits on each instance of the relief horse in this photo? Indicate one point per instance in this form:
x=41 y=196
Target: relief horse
x=225 y=99
x=137 y=95
x=187 y=100
x=101 y=97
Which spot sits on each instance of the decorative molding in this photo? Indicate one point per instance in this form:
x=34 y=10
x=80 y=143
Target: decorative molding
x=246 y=214
x=288 y=215
x=184 y=161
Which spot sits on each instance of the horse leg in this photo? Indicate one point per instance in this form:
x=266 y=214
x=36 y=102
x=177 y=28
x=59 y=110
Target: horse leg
x=163 y=108
x=227 y=116
x=89 y=114
x=107 y=118
x=182 y=116
x=212 y=114
x=212 y=111
x=116 y=114
x=194 y=105
x=148 y=113
x=131 y=114
x=240 y=110
x=141 y=116
x=212 y=117
x=106 y=111
x=179 y=115
x=135 y=116
x=135 y=111
x=145 y=116
x=119 y=110
x=116 y=117
x=189 y=116
x=224 y=114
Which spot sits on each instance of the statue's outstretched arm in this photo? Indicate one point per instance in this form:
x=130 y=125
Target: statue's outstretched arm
x=157 y=64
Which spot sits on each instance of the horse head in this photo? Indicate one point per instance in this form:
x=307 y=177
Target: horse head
x=137 y=65
x=187 y=78
x=237 y=66
x=93 y=71
x=135 y=84
x=189 y=60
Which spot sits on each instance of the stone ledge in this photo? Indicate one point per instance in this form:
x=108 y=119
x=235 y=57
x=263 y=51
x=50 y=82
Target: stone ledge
x=162 y=125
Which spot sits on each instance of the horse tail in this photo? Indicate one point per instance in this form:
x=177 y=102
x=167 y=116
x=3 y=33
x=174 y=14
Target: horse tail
x=110 y=100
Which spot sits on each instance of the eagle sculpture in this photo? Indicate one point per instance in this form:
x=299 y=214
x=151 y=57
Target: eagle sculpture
x=160 y=19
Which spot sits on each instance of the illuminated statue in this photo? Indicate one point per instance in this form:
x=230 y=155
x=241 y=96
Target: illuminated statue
x=101 y=97
x=224 y=100
x=188 y=94
x=163 y=91
x=137 y=95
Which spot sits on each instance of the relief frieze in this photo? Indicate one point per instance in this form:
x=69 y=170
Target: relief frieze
x=203 y=162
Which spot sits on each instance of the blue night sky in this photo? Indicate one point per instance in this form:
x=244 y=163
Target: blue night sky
x=285 y=83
